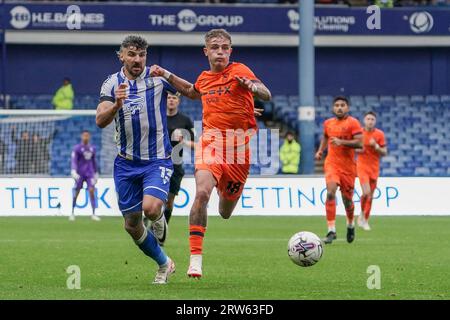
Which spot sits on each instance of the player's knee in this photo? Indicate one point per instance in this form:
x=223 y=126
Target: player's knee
x=348 y=203
x=202 y=196
x=367 y=194
x=225 y=213
x=330 y=196
x=152 y=209
x=152 y=212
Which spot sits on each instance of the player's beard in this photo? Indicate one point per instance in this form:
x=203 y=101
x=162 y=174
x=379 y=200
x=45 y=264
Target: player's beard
x=340 y=115
x=134 y=73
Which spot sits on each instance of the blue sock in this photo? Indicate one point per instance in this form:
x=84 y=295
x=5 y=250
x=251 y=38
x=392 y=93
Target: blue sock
x=149 y=245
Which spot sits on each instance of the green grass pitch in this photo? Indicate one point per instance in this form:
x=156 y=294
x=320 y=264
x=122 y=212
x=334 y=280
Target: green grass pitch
x=244 y=258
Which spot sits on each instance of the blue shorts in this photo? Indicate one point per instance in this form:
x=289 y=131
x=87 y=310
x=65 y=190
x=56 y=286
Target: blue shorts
x=135 y=178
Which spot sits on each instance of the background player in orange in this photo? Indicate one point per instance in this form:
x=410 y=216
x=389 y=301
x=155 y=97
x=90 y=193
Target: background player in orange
x=342 y=134
x=226 y=91
x=368 y=165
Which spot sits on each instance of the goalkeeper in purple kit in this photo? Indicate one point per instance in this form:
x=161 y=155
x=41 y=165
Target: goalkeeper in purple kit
x=84 y=168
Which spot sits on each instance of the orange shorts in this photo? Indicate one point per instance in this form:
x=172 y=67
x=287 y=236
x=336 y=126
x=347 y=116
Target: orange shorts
x=346 y=182
x=230 y=171
x=367 y=175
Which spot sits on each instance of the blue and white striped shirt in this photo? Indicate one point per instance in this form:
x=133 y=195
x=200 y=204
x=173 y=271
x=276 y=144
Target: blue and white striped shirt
x=141 y=124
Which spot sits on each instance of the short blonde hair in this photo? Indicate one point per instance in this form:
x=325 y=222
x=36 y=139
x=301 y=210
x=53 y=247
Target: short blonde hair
x=217 y=33
x=176 y=94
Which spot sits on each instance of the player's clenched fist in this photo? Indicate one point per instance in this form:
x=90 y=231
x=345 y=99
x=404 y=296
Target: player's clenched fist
x=246 y=83
x=336 y=141
x=156 y=71
x=121 y=94
x=318 y=155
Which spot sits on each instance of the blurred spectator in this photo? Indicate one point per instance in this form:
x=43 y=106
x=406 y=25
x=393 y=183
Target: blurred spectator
x=3 y=149
x=23 y=151
x=346 y=2
x=290 y=154
x=63 y=99
x=385 y=3
x=40 y=153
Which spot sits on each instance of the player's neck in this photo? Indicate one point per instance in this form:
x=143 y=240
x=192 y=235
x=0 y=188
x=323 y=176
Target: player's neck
x=217 y=69
x=369 y=129
x=171 y=113
x=343 y=118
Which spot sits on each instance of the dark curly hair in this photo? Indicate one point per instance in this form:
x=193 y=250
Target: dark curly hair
x=133 y=41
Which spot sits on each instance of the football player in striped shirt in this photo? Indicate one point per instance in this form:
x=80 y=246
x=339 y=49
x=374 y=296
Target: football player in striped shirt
x=143 y=167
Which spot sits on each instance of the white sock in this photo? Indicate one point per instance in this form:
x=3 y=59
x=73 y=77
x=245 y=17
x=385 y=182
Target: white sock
x=142 y=238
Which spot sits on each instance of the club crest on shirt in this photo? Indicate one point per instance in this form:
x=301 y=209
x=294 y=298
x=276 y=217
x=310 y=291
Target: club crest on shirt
x=149 y=83
x=87 y=154
x=133 y=103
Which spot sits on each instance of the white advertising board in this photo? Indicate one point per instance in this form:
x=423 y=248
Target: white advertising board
x=262 y=196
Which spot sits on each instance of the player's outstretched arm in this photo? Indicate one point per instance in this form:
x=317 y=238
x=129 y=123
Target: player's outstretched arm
x=323 y=145
x=256 y=87
x=183 y=86
x=106 y=110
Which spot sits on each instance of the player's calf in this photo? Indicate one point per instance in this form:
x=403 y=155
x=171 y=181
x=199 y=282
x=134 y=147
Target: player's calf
x=226 y=207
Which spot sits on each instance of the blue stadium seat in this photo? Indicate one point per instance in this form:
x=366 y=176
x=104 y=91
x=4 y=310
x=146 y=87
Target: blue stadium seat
x=387 y=101
x=445 y=100
x=417 y=100
x=389 y=172
x=422 y=172
x=433 y=100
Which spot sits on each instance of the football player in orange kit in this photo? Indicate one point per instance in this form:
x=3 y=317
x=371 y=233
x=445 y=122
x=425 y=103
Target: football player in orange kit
x=223 y=151
x=368 y=165
x=342 y=134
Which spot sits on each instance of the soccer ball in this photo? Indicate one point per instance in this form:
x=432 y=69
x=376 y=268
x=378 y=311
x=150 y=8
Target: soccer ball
x=305 y=248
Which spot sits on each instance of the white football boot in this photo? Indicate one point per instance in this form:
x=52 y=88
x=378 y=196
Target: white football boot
x=164 y=272
x=195 y=266
x=366 y=226
x=361 y=220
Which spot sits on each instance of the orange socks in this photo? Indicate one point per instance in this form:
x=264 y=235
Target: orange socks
x=350 y=214
x=330 y=206
x=196 y=234
x=366 y=206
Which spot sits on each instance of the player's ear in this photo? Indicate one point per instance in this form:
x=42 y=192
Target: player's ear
x=120 y=55
x=205 y=51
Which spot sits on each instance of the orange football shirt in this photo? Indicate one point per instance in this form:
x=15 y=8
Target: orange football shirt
x=369 y=159
x=226 y=105
x=341 y=158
